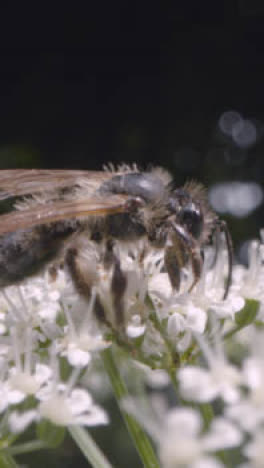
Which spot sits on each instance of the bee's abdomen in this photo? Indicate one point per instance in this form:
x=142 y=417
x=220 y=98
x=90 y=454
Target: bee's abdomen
x=23 y=253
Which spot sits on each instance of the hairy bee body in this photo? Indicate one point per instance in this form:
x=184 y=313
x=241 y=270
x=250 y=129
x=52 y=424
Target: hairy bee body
x=62 y=206
x=24 y=252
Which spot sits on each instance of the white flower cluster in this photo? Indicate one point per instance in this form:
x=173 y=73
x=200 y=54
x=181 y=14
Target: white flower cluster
x=37 y=331
x=44 y=322
x=234 y=387
x=183 y=438
x=238 y=387
x=180 y=435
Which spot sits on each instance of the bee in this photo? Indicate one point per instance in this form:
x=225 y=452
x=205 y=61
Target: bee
x=54 y=210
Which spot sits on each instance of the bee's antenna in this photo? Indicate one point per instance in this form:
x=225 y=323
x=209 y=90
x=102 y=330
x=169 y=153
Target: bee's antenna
x=221 y=226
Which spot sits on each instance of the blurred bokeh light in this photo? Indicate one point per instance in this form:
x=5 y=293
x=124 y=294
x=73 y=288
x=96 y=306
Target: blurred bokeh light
x=236 y=198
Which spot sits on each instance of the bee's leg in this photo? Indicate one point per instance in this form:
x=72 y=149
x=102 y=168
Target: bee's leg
x=183 y=248
x=197 y=264
x=118 y=289
x=174 y=259
x=84 y=276
x=109 y=256
x=118 y=281
x=221 y=226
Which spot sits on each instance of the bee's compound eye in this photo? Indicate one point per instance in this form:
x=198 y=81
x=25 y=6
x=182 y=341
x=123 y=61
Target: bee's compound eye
x=192 y=219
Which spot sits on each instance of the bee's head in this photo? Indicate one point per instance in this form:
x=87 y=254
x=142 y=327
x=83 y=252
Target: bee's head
x=191 y=210
x=194 y=223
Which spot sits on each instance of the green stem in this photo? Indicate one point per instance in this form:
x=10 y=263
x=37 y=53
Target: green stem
x=174 y=382
x=141 y=441
x=27 y=447
x=233 y=331
x=7 y=461
x=88 y=447
x=207 y=413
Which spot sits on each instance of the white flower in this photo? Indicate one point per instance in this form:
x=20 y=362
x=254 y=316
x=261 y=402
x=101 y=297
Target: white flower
x=209 y=291
x=187 y=319
x=183 y=444
x=221 y=379
x=184 y=317
x=249 y=410
x=77 y=407
x=19 y=421
x=180 y=436
x=45 y=317
x=35 y=300
x=248 y=282
x=26 y=376
x=82 y=336
x=63 y=404
x=135 y=328
x=9 y=396
x=155 y=378
x=77 y=356
x=29 y=383
x=187 y=312
x=223 y=434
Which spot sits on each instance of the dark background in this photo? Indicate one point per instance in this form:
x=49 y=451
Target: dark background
x=123 y=82
x=82 y=85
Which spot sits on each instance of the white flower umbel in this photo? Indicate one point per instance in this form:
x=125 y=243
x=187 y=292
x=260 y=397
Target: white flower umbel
x=129 y=302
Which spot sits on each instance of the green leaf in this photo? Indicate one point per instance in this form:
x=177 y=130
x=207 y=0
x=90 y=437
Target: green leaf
x=50 y=434
x=247 y=315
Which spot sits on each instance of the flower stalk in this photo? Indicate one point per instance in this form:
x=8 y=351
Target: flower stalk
x=139 y=437
x=27 y=447
x=88 y=447
x=7 y=461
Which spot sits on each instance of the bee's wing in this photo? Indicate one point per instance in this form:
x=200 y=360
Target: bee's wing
x=19 y=182
x=62 y=210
